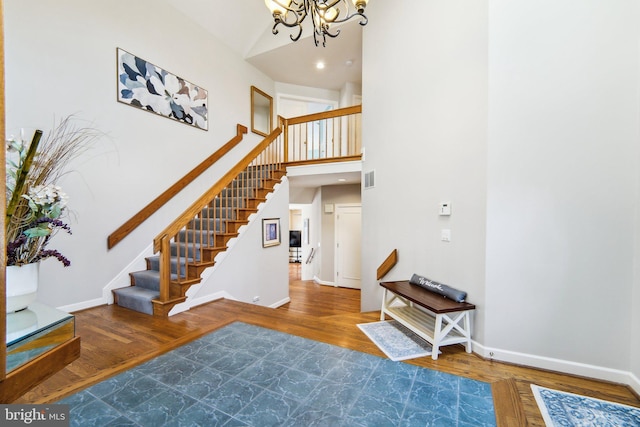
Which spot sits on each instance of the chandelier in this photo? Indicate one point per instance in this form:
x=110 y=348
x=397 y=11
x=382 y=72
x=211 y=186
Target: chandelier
x=324 y=13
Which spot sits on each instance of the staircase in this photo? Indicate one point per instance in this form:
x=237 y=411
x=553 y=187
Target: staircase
x=190 y=244
x=194 y=248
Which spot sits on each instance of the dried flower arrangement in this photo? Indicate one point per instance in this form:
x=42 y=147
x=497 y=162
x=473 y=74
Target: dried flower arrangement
x=35 y=205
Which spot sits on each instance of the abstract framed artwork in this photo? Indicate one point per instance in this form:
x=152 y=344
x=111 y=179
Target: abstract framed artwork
x=151 y=88
x=270 y=232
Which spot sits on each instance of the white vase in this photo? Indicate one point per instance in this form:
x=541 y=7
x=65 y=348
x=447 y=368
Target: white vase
x=21 y=285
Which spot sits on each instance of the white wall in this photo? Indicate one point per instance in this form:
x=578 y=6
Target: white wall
x=302 y=93
x=424 y=130
x=308 y=270
x=61 y=59
x=333 y=194
x=529 y=124
x=348 y=92
x=563 y=179
x=344 y=97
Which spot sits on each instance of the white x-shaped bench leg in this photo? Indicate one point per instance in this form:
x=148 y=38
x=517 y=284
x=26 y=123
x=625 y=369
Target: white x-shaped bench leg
x=451 y=324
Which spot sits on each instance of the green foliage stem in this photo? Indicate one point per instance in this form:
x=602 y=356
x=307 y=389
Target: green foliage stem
x=21 y=177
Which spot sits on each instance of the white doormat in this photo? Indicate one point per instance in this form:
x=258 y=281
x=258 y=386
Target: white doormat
x=395 y=340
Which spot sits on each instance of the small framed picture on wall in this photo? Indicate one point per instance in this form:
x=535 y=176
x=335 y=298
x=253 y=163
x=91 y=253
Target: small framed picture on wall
x=270 y=232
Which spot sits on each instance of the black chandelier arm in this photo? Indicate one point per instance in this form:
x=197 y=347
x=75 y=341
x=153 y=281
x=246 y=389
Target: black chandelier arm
x=295 y=38
x=324 y=32
x=323 y=14
x=363 y=19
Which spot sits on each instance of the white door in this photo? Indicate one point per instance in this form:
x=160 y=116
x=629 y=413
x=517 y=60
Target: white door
x=348 y=249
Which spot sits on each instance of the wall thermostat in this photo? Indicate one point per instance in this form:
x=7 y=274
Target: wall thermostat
x=445 y=208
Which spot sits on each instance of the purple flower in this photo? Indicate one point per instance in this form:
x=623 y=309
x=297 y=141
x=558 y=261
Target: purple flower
x=36 y=245
x=53 y=253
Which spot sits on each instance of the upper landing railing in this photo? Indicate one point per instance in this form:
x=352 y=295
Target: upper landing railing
x=330 y=136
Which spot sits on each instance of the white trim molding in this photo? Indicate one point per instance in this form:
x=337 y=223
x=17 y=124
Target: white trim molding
x=559 y=365
x=317 y=280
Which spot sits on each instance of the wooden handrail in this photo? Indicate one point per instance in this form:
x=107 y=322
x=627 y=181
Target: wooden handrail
x=126 y=228
x=387 y=264
x=325 y=160
x=196 y=207
x=323 y=115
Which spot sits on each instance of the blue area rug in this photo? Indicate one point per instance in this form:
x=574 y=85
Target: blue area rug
x=244 y=375
x=395 y=340
x=559 y=408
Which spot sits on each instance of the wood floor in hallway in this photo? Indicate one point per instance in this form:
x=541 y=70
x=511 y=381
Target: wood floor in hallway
x=115 y=339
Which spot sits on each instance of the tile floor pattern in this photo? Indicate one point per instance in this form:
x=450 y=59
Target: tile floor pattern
x=244 y=375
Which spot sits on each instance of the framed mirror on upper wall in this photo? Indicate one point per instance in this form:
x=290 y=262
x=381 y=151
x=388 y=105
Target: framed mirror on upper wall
x=261 y=112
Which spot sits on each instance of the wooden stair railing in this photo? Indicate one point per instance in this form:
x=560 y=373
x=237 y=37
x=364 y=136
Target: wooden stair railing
x=330 y=136
x=131 y=224
x=387 y=264
x=190 y=244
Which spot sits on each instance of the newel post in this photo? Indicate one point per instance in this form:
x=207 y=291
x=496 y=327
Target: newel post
x=165 y=268
x=285 y=128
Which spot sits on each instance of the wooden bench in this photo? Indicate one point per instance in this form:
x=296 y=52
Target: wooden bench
x=440 y=321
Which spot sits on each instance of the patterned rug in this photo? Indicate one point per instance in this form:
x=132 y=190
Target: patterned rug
x=559 y=408
x=395 y=340
x=245 y=375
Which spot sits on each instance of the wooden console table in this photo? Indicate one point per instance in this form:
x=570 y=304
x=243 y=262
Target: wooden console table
x=440 y=321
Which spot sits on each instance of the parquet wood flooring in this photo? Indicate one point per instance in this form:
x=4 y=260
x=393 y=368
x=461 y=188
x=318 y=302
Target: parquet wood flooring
x=115 y=339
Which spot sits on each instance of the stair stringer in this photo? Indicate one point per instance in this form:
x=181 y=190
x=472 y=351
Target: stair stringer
x=246 y=269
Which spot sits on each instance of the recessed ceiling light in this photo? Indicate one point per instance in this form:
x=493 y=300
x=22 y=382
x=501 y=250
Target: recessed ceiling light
x=341 y=180
x=320 y=65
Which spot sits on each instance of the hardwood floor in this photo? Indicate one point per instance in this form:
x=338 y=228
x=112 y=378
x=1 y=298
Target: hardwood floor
x=115 y=339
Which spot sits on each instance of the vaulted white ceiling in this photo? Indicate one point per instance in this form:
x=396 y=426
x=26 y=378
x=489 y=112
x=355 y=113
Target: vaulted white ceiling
x=245 y=26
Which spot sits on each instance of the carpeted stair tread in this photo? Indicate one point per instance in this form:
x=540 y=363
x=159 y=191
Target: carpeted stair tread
x=225 y=213
x=209 y=224
x=154 y=264
x=136 y=298
x=148 y=279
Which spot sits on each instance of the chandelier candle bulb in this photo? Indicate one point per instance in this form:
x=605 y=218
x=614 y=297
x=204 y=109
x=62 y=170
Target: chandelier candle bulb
x=277 y=7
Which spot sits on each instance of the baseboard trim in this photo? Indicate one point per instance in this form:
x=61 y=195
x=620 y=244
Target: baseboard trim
x=559 y=365
x=280 y=303
x=634 y=384
x=317 y=280
x=83 y=305
x=192 y=302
